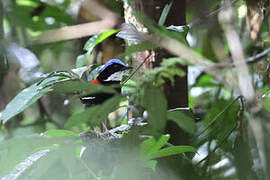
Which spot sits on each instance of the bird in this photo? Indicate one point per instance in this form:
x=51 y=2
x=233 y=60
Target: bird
x=111 y=73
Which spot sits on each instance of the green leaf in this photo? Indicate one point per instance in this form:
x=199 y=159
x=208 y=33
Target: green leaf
x=20 y=171
x=81 y=71
x=15 y=151
x=150 y=164
x=164 y=14
x=155 y=103
x=173 y=150
x=221 y=123
x=129 y=87
x=23 y=100
x=82 y=59
x=90 y=44
x=77 y=86
x=59 y=132
x=94 y=115
x=183 y=119
x=96 y=39
x=151 y=145
x=162 y=31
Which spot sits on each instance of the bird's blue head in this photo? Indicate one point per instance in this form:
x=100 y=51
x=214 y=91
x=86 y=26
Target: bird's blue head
x=112 y=71
x=111 y=63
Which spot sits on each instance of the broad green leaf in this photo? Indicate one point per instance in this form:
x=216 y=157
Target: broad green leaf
x=155 y=103
x=59 y=132
x=16 y=150
x=173 y=150
x=20 y=171
x=90 y=44
x=23 y=100
x=183 y=119
x=96 y=114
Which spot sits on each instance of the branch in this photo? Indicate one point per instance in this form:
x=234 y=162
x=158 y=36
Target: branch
x=109 y=20
x=244 y=80
x=256 y=57
x=142 y=63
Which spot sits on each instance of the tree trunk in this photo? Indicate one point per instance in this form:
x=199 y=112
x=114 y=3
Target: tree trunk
x=177 y=95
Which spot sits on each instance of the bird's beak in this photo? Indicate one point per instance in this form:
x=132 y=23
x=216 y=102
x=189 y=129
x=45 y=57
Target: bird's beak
x=127 y=67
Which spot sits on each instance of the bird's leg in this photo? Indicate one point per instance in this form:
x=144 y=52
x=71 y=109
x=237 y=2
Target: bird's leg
x=105 y=129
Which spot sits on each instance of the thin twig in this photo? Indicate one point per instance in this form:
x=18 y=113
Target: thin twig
x=254 y=58
x=43 y=111
x=249 y=60
x=132 y=74
x=89 y=170
x=219 y=114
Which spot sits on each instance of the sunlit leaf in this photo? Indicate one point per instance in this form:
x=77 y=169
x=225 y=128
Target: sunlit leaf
x=59 y=132
x=90 y=44
x=173 y=150
x=96 y=39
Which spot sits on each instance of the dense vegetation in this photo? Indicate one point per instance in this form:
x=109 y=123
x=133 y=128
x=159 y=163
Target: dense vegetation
x=45 y=133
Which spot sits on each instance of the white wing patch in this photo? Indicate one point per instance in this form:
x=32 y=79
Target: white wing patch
x=88 y=98
x=117 y=76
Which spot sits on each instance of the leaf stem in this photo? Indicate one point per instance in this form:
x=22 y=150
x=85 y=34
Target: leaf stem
x=219 y=145
x=219 y=114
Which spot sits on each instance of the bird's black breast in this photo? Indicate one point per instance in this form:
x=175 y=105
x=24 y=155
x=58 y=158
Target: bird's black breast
x=95 y=99
x=98 y=98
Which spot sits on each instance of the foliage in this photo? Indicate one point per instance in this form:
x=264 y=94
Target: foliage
x=46 y=134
